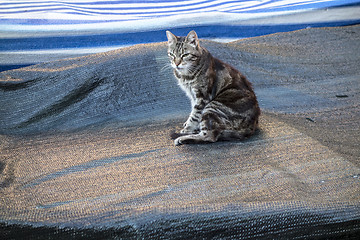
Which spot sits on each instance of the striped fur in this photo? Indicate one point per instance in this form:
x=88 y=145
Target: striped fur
x=224 y=105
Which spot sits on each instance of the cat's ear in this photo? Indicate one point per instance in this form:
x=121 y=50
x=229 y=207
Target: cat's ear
x=192 y=39
x=171 y=38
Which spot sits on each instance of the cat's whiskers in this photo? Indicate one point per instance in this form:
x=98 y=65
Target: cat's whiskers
x=166 y=67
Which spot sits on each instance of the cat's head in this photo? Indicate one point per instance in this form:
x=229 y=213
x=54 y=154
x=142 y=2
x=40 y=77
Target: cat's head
x=184 y=52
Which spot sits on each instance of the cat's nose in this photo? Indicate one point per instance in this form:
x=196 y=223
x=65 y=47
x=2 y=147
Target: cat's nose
x=177 y=62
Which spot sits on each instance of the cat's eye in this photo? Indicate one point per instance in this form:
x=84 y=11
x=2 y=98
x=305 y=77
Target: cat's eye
x=171 y=55
x=189 y=57
x=185 y=55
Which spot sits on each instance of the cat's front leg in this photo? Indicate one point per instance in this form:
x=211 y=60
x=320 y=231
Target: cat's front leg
x=191 y=125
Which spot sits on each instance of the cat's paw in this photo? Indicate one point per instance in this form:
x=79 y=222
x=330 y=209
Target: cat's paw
x=177 y=142
x=190 y=129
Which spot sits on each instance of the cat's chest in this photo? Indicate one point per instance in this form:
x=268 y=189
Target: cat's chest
x=189 y=89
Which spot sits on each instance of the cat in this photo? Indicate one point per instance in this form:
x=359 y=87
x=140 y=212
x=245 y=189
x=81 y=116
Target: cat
x=224 y=105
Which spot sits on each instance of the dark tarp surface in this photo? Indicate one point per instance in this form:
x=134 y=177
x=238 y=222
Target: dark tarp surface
x=85 y=149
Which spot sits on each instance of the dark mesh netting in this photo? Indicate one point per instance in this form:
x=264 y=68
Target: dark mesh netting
x=85 y=150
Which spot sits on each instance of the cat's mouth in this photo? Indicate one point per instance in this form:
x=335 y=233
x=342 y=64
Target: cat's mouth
x=180 y=68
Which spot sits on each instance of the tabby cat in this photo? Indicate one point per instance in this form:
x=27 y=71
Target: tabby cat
x=224 y=105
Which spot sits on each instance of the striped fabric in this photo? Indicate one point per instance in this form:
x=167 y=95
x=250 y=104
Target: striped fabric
x=34 y=31
x=62 y=15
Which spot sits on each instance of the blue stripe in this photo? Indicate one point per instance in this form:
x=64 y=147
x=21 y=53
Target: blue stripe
x=209 y=31
x=12 y=66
